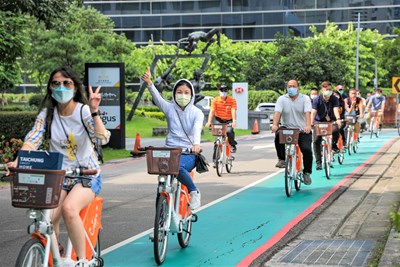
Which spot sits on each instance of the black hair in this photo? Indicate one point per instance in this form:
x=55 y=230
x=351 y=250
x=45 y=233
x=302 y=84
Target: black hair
x=50 y=103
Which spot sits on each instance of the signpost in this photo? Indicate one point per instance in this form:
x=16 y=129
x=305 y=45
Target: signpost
x=110 y=76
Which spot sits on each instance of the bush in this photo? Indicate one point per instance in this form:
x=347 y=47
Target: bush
x=16 y=124
x=36 y=100
x=9 y=149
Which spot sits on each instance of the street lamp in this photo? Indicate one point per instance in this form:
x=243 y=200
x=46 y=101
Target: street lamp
x=376 y=67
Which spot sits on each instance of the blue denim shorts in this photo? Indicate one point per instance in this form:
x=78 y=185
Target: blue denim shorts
x=70 y=182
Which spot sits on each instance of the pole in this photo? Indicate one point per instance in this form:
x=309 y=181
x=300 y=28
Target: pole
x=358 y=43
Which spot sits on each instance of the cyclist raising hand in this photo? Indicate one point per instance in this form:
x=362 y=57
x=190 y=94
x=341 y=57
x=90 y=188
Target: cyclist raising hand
x=185 y=122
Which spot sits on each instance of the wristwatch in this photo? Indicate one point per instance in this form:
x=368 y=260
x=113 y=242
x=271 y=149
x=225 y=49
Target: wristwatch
x=97 y=113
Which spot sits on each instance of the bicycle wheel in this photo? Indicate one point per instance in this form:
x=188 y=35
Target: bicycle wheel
x=229 y=164
x=297 y=181
x=326 y=162
x=341 y=158
x=184 y=236
x=219 y=165
x=349 y=141
x=288 y=176
x=99 y=261
x=31 y=254
x=355 y=146
x=160 y=231
x=372 y=128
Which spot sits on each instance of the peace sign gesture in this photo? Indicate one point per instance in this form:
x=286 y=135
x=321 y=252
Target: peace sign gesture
x=94 y=99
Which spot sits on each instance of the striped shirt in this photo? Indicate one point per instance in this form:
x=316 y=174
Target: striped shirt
x=223 y=108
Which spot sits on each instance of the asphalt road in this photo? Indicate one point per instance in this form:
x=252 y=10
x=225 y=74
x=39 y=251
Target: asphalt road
x=129 y=194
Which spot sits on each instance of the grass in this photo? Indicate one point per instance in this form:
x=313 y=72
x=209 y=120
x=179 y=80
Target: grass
x=144 y=126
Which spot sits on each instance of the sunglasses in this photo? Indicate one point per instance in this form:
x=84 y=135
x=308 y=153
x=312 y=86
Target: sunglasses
x=66 y=83
x=223 y=90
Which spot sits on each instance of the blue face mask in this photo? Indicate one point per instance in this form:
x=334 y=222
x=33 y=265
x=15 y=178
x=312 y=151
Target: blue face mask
x=62 y=94
x=292 y=91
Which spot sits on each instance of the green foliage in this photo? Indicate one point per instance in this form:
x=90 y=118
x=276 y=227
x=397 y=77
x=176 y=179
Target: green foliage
x=36 y=100
x=395 y=219
x=9 y=148
x=16 y=124
x=82 y=35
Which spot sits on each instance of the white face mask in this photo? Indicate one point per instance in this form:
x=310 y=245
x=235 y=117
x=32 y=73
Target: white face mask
x=313 y=96
x=378 y=95
x=182 y=99
x=328 y=93
x=223 y=94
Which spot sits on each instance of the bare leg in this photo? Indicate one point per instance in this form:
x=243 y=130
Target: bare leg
x=78 y=198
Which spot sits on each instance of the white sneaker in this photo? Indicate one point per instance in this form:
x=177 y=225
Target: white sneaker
x=195 y=199
x=82 y=263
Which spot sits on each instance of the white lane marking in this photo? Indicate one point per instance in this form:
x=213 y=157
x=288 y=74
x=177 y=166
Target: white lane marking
x=261 y=147
x=133 y=238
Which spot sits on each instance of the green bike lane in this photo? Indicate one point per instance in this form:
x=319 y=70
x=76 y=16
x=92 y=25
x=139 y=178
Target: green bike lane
x=236 y=229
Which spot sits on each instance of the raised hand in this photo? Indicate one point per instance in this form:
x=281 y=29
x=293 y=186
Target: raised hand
x=94 y=99
x=146 y=77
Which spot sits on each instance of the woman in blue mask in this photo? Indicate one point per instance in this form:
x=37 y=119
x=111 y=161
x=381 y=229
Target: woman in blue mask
x=63 y=115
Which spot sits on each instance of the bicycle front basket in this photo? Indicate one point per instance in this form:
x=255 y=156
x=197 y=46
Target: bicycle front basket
x=288 y=136
x=351 y=119
x=36 y=188
x=163 y=160
x=218 y=129
x=323 y=128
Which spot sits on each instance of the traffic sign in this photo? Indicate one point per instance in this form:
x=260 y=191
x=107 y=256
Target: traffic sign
x=396 y=85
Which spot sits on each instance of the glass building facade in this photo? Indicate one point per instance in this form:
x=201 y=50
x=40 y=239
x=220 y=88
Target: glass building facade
x=243 y=20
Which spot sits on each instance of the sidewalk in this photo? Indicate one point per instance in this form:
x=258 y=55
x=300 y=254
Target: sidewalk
x=352 y=227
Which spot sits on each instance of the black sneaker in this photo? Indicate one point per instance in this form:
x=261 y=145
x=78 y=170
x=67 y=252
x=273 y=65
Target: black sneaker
x=319 y=166
x=233 y=149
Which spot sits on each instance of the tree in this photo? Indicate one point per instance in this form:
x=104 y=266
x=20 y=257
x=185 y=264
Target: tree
x=13 y=40
x=82 y=35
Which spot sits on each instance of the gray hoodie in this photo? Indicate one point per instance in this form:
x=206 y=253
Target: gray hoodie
x=191 y=119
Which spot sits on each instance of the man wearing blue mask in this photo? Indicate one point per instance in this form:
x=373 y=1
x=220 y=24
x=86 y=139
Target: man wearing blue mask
x=325 y=108
x=293 y=110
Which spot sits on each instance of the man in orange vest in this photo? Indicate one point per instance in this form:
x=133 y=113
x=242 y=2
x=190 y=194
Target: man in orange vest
x=223 y=108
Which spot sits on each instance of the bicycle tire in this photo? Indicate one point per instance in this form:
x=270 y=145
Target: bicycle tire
x=372 y=129
x=355 y=147
x=31 y=254
x=160 y=231
x=326 y=160
x=229 y=165
x=184 y=236
x=99 y=260
x=297 y=181
x=219 y=165
x=288 y=176
x=341 y=158
x=349 y=142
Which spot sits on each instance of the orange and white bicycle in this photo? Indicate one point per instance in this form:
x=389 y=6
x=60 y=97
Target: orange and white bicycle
x=173 y=213
x=293 y=159
x=39 y=192
x=222 y=149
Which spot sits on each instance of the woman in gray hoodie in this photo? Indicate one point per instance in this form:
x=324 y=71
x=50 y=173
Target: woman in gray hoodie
x=185 y=122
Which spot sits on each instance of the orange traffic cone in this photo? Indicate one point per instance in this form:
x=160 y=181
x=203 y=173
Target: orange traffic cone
x=136 y=152
x=255 y=127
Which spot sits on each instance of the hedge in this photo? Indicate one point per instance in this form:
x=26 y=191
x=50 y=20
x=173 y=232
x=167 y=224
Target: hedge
x=16 y=124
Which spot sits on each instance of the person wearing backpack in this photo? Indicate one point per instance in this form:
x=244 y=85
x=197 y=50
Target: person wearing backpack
x=68 y=121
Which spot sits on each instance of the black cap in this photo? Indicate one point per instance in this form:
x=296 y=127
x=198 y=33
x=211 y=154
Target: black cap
x=223 y=87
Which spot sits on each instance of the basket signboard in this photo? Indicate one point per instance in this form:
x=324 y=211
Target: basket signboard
x=163 y=160
x=218 y=129
x=36 y=188
x=323 y=128
x=289 y=136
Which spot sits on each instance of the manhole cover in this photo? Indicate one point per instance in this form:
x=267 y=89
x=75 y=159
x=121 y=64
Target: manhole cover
x=330 y=252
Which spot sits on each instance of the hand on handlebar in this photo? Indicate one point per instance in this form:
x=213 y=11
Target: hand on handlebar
x=208 y=125
x=196 y=149
x=274 y=128
x=12 y=164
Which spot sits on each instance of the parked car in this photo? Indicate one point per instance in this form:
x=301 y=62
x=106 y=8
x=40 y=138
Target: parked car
x=205 y=103
x=268 y=107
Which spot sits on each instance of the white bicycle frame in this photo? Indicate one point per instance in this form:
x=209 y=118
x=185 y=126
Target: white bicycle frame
x=291 y=150
x=45 y=227
x=221 y=140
